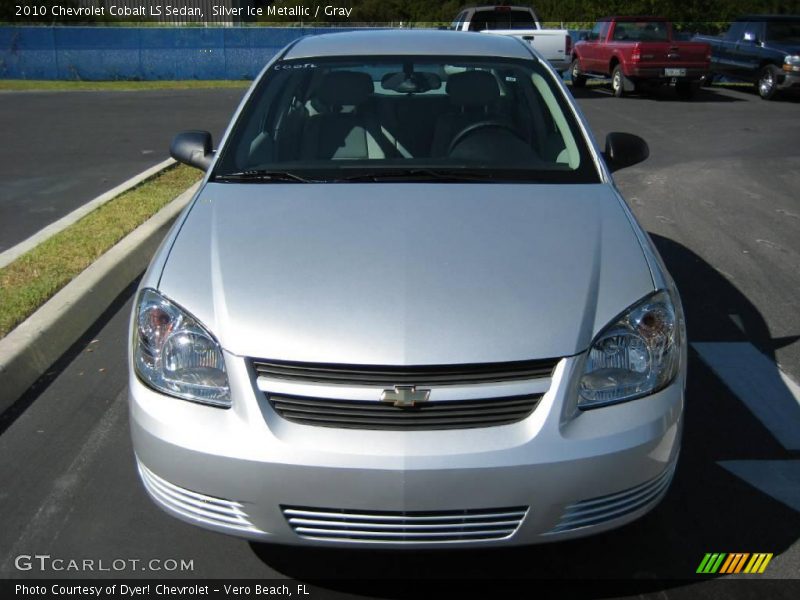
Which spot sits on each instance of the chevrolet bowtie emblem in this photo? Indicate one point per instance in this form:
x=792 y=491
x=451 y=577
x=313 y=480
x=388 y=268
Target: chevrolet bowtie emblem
x=405 y=396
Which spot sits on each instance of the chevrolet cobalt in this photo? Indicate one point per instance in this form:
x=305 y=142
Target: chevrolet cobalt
x=407 y=308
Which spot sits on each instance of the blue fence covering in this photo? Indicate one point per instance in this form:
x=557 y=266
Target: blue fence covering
x=142 y=53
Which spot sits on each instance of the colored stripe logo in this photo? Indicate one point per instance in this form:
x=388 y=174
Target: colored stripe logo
x=736 y=562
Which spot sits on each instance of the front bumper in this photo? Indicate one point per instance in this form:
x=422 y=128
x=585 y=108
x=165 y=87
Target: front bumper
x=561 y=65
x=790 y=80
x=559 y=473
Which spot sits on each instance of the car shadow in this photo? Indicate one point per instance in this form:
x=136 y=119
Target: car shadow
x=790 y=96
x=710 y=299
x=707 y=509
x=663 y=93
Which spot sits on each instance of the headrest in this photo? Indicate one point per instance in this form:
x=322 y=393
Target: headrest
x=345 y=88
x=472 y=88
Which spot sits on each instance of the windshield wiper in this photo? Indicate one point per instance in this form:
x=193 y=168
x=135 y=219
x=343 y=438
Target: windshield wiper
x=258 y=176
x=420 y=174
x=454 y=175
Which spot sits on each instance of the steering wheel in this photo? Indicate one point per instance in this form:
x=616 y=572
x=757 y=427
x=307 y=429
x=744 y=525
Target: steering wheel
x=470 y=129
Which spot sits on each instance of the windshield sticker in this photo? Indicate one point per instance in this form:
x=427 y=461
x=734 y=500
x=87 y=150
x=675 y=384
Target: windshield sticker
x=284 y=67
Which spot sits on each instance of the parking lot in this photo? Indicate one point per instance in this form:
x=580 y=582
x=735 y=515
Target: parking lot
x=63 y=149
x=719 y=195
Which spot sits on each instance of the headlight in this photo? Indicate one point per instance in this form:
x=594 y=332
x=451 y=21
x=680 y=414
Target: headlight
x=638 y=354
x=175 y=354
x=791 y=63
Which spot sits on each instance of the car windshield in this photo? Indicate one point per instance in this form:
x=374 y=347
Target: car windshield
x=787 y=32
x=407 y=119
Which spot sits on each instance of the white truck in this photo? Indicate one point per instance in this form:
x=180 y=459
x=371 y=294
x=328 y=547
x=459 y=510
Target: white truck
x=520 y=21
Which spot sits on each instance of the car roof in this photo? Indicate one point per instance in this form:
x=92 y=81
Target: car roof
x=626 y=18
x=418 y=42
x=498 y=7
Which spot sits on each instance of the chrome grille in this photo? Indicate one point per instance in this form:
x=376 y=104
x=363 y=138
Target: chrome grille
x=613 y=506
x=404 y=527
x=353 y=414
x=195 y=506
x=389 y=376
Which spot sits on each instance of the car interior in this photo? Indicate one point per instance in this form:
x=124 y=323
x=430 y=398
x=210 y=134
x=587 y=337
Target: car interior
x=406 y=114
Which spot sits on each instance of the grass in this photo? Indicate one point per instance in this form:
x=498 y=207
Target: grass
x=25 y=85
x=36 y=276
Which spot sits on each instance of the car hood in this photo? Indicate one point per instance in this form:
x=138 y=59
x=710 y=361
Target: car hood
x=406 y=274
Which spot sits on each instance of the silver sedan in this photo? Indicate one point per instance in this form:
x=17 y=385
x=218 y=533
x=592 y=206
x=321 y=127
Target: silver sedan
x=407 y=307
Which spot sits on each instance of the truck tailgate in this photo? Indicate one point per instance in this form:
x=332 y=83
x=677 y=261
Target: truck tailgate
x=674 y=54
x=550 y=43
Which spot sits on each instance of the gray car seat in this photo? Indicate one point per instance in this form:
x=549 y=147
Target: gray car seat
x=474 y=96
x=346 y=127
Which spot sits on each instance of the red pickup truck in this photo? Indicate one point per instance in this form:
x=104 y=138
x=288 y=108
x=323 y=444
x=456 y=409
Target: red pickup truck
x=633 y=51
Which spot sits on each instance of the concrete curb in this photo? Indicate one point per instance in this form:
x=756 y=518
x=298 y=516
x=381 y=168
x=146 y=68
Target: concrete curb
x=28 y=351
x=10 y=255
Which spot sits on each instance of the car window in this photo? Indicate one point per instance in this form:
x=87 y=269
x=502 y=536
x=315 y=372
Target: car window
x=505 y=119
x=501 y=19
x=754 y=31
x=785 y=32
x=599 y=31
x=641 y=31
x=459 y=21
x=736 y=32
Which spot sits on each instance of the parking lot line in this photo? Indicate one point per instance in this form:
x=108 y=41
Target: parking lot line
x=774 y=398
x=779 y=479
x=760 y=384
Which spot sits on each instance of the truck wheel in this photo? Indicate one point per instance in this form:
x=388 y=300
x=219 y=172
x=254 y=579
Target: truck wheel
x=618 y=82
x=684 y=89
x=707 y=80
x=767 y=84
x=578 y=80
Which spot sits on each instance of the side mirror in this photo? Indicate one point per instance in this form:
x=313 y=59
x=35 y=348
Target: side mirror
x=193 y=148
x=624 y=150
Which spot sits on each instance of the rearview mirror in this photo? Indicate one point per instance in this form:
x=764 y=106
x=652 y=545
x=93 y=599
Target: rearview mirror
x=624 y=150
x=583 y=37
x=193 y=148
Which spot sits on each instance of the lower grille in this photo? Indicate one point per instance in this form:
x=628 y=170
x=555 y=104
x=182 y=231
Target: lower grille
x=352 y=414
x=613 y=506
x=404 y=527
x=195 y=506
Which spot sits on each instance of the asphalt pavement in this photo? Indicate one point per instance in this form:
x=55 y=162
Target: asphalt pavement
x=719 y=197
x=721 y=187
x=61 y=149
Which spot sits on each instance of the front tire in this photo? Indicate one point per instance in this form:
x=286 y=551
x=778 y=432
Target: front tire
x=618 y=82
x=578 y=80
x=767 y=84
